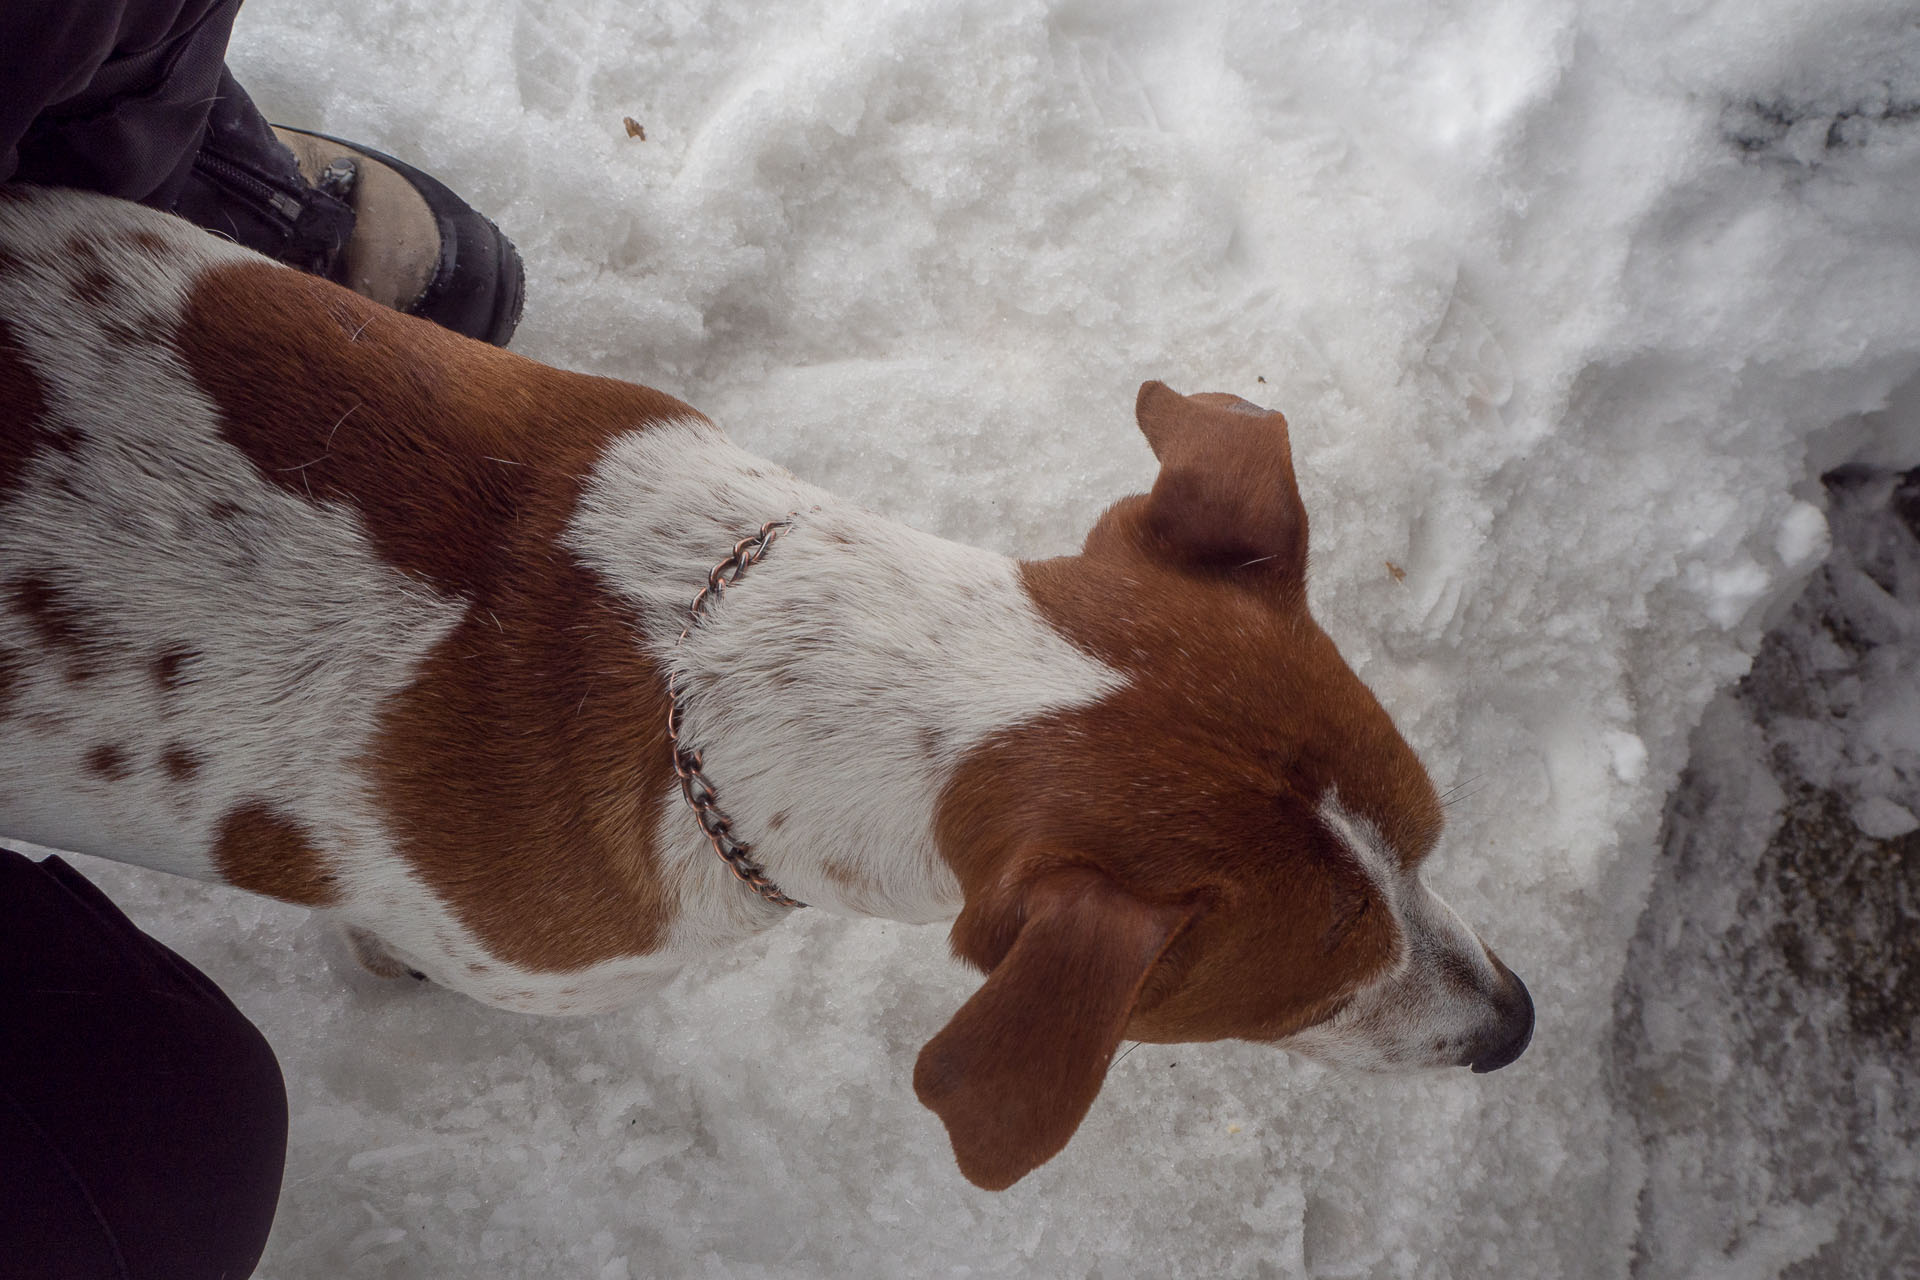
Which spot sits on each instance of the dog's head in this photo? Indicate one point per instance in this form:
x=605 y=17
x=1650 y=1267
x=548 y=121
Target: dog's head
x=1228 y=846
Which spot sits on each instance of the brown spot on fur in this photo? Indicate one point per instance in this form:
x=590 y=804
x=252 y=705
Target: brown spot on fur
x=59 y=623
x=13 y=666
x=777 y=821
x=95 y=288
x=48 y=610
x=23 y=410
x=404 y=422
x=181 y=762
x=140 y=327
x=525 y=803
x=83 y=250
x=151 y=243
x=109 y=762
x=168 y=669
x=857 y=884
x=64 y=438
x=265 y=852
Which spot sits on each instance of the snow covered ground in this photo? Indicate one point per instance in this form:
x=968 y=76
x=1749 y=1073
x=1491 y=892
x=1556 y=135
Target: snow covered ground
x=1767 y=1031
x=1569 y=302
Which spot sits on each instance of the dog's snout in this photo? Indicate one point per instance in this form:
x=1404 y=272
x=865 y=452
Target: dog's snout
x=1512 y=1031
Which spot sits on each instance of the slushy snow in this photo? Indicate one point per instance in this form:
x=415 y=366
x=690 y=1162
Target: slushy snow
x=1568 y=301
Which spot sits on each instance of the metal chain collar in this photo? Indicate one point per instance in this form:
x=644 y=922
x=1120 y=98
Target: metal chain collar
x=701 y=794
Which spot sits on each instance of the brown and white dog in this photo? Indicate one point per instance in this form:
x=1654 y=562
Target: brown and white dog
x=317 y=600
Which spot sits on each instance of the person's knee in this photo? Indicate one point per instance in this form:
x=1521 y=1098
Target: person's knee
x=157 y=1106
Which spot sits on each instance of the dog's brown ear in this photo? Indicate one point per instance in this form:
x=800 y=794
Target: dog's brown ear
x=1226 y=497
x=1014 y=1072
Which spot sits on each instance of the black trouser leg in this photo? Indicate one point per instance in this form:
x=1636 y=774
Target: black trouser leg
x=143 y=1119
x=132 y=98
x=109 y=95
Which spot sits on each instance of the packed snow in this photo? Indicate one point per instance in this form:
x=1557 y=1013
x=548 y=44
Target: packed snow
x=1568 y=301
x=1766 y=1033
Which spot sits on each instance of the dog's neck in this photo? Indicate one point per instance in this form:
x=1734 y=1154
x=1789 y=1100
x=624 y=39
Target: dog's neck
x=834 y=689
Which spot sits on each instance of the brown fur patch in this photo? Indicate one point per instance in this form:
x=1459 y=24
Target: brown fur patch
x=23 y=410
x=130 y=330
x=151 y=243
x=525 y=767
x=169 y=667
x=95 y=288
x=110 y=762
x=441 y=444
x=1199 y=780
x=181 y=762
x=60 y=623
x=265 y=852
x=13 y=666
x=859 y=886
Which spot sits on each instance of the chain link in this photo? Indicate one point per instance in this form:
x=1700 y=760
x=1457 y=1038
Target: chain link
x=701 y=795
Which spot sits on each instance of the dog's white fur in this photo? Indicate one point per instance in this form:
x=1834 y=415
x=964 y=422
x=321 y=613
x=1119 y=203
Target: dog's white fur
x=1432 y=1004
x=834 y=689
x=894 y=652
x=837 y=686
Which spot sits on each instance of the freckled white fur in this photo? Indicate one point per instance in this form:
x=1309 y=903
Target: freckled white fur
x=1396 y=1023
x=834 y=688
x=299 y=630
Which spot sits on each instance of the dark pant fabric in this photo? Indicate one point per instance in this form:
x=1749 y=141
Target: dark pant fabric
x=143 y=1119
x=132 y=98
x=109 y=95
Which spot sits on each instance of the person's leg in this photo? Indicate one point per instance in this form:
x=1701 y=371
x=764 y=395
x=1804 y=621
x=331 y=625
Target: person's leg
x=108 y=95
x=132 y=98
x=143 y=1119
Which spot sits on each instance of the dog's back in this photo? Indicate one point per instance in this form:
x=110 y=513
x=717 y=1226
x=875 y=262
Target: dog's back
x=178 y=638
x=238 y=510
x=324 y=602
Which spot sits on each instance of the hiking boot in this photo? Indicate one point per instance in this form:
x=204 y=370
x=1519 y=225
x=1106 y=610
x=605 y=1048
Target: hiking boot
x=355 y=216
x=416 y=247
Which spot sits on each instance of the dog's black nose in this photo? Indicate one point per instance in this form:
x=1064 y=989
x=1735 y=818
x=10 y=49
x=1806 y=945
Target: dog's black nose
x=1509 y=1037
